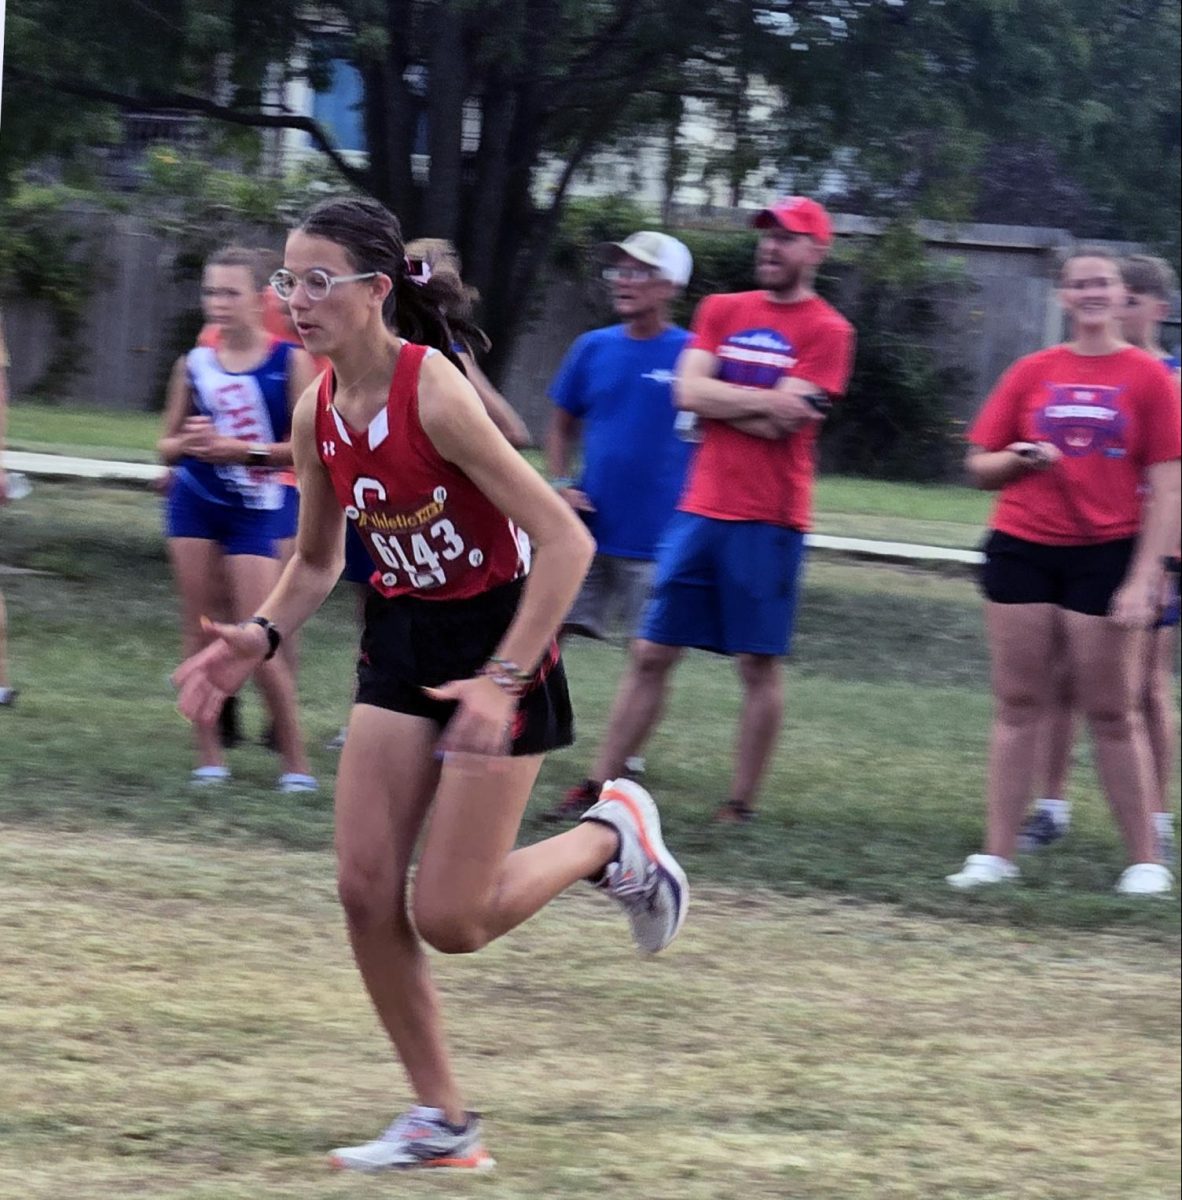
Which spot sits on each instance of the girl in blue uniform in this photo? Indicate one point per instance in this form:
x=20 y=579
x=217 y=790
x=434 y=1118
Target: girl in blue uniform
x=227 y=434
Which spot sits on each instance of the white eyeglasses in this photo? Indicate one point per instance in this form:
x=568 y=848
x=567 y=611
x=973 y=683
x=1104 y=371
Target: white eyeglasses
x=317 y=283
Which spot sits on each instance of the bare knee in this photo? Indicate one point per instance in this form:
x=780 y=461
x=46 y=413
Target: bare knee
x=652 y=660
x=448 y=930
x=1111 y=722
x=370 y=898
x=759 y=673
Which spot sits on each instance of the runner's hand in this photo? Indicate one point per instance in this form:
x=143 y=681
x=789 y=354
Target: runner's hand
x=204 y=680
x=195 y=437
x=483 y=722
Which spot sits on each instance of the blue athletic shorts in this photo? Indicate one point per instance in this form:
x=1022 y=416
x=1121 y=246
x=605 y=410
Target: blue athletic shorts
x=358 y=564
x=725 y=586
x=237 y=530
x=289 y=514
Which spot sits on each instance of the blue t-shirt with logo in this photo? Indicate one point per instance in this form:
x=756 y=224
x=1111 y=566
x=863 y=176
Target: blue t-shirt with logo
x=634 y=463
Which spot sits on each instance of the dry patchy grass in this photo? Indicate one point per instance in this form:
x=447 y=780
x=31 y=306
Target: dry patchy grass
x=183 y=1021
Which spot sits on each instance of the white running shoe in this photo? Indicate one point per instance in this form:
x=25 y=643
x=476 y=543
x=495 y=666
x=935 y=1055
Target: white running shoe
x=1145 y=879
x=635 y=765
x=209 y=776
x=337 y=741
x=980 y=870
x=419 y=1138
x=644 y=878
x=293 y=781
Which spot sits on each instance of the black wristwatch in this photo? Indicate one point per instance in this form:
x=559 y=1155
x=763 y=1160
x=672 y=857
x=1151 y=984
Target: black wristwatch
x=274 y=637
x=258 y=456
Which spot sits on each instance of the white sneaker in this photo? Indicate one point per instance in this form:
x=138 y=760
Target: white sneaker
x=419 y=1138
x=337 y=741
x=644 y=879
x=209 y=776
x=980 y=870
x=1145 y=879
x=634 y=765
x=295 y=782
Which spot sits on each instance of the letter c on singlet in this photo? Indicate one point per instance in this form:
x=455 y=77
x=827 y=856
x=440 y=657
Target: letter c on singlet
x=366 y=484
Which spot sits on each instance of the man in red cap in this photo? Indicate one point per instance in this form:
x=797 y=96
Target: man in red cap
x=760 y=372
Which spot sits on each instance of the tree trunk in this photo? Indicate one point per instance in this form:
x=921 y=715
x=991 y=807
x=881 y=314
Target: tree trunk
x=487 y=201
x=389 y=119
x=445 y=114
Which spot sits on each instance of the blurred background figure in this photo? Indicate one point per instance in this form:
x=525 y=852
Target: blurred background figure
x=1082 y=442
x=227 y=431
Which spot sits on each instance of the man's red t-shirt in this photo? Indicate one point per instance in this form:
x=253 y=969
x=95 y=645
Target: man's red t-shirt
x=1110 y=415
x=737 y=477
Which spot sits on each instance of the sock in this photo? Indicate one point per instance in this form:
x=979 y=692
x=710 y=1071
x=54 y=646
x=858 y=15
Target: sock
x=1060 y=810
x=1163 y=822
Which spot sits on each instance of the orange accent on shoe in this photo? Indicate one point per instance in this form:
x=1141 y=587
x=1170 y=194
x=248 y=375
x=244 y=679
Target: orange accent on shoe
x=472 y=1162
x=637 y=816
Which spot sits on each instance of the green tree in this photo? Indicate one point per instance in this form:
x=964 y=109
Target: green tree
x=1056 y=112
x=502 y=85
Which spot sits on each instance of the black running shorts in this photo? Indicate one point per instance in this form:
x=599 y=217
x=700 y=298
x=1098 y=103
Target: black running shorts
x=409 y=644
x=1081 y=579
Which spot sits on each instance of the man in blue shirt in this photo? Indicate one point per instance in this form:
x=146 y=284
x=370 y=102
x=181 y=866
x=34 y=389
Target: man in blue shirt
x=614 y=390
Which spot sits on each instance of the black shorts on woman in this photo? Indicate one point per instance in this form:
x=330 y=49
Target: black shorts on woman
x=410 y=643
x=1081 y=579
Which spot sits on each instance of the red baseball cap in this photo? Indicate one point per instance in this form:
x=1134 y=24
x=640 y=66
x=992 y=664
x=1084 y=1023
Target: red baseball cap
x=797 y=214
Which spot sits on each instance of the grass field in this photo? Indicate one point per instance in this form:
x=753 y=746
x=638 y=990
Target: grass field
x=184 y=1021
x=934 y=515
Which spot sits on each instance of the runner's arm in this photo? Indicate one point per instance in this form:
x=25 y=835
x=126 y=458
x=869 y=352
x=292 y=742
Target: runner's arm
x=460 y=429
x=503 y=415
x=178 y=404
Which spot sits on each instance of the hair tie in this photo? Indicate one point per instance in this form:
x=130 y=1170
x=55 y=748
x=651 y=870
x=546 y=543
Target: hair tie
x=418 y=270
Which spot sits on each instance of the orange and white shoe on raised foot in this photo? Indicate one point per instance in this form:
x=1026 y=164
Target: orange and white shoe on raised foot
x=644 y=878
x=422 y=1138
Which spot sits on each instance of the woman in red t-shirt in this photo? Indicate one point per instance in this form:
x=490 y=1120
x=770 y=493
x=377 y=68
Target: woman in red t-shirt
x=460 y=687
x=1082 y=441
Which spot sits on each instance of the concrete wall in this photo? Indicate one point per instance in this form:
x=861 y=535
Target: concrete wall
x=128 y=336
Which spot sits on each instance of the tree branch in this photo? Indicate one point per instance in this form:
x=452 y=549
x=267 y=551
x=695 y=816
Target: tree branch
x=187 y=102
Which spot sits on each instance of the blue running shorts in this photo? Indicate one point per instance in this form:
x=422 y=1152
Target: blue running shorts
x=726 y=586
x=238 y=530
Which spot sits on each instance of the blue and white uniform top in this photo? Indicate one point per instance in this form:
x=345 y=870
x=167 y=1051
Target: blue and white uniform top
x=250 y=405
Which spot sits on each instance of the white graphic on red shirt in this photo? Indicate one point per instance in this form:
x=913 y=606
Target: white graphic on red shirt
x=1083 y=419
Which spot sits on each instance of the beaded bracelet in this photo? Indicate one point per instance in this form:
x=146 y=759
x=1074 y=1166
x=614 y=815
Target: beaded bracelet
x=507 y=675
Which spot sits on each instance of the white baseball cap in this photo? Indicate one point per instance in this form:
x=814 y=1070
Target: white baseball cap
x=669 y=256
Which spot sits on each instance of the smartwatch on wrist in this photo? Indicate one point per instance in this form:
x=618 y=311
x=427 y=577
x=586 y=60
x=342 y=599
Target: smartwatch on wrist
x=274 y=637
